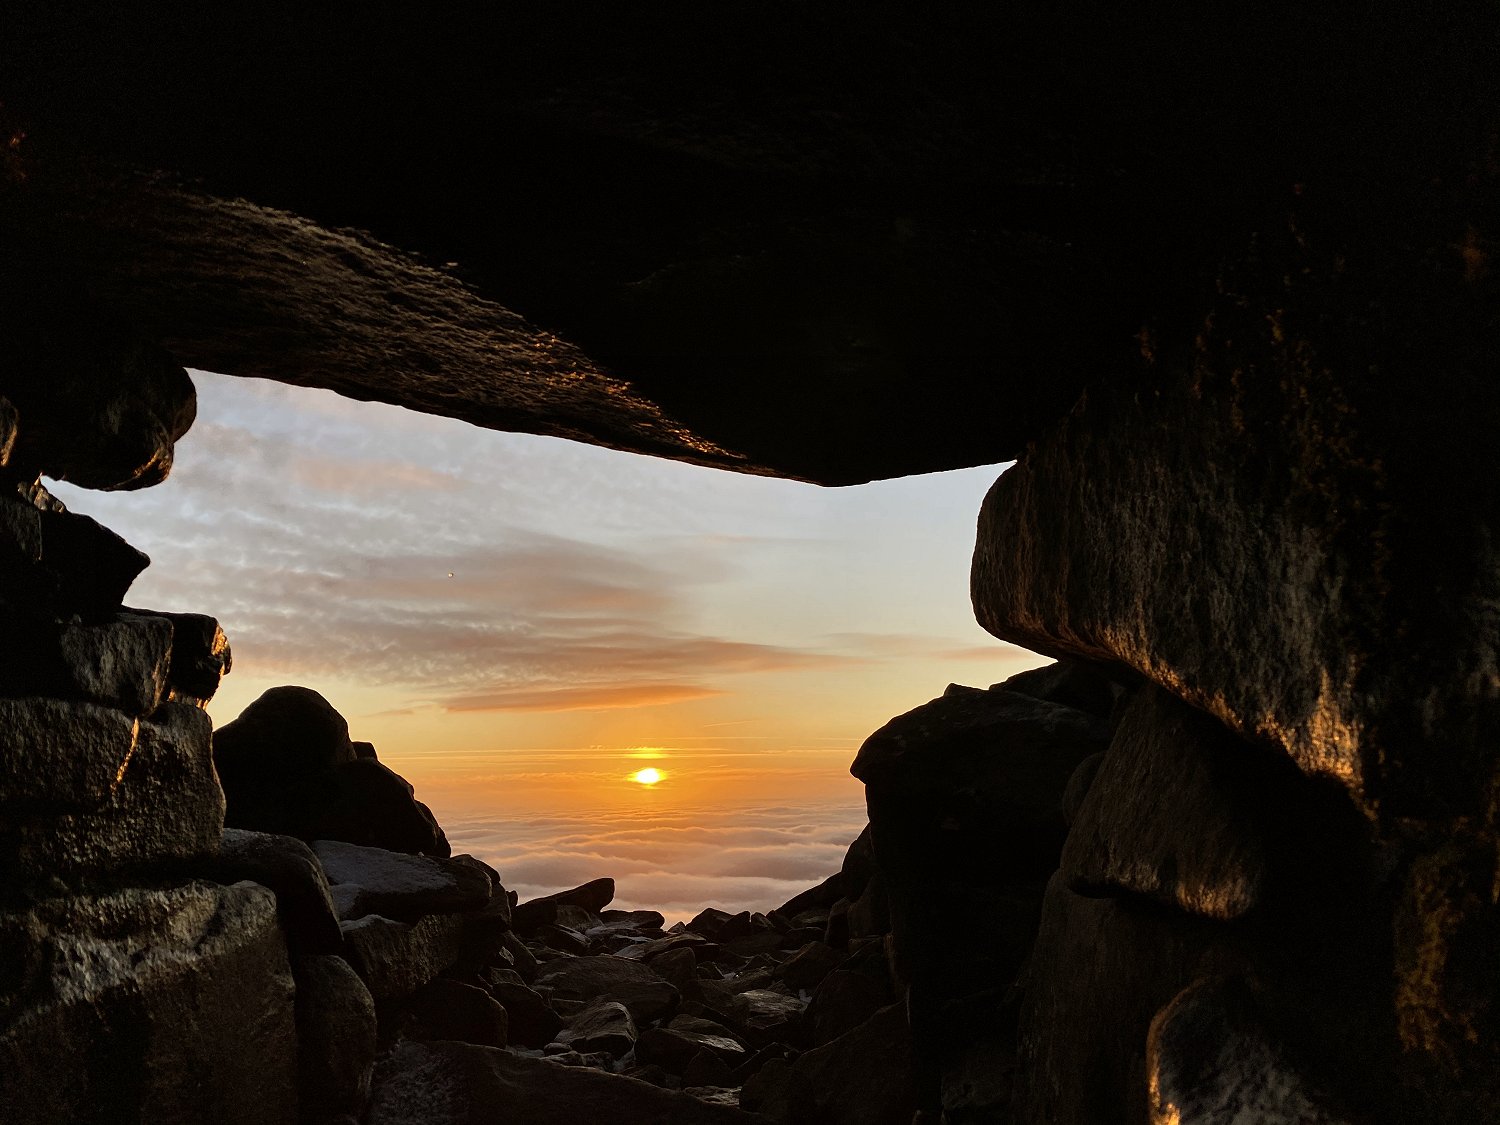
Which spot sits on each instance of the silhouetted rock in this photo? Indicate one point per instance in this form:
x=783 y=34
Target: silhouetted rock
x=62 y=562
x=117 y=1006
x=806 y=968
x=696 y=944
x=277 y=759
x=99 y=405
x=965 y=801
x=288 y=766
x=720 y=925
x=1102 y=970
x=592 y=896
x=1083 y=687
x=862 y=1078
x=841 y=1002
x=200 y=654
x=372 y=805
x=531 y=1022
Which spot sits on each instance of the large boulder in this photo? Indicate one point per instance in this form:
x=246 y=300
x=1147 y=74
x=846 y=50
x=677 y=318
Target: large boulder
x=965 y=800
x=200 y=654
x=592 y=897
x=144 y=1006
x=1212 y=1058
x=1102 y=970
x=863 y=1077
x=366 y=802
x=60 y=562
x=288 y=737
x=288 y=766
x=1181 y=811
x=62 y=757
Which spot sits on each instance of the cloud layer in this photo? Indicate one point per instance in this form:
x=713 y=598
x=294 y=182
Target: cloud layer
x=677 y=861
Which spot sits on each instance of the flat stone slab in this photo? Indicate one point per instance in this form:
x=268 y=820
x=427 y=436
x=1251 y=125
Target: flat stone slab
x=398 y=885
x=605 y=1026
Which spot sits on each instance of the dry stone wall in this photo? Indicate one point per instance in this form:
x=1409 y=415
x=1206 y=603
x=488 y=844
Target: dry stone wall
x=132 y=991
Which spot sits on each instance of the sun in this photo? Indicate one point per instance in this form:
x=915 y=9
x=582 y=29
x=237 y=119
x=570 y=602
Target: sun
x=647 y=776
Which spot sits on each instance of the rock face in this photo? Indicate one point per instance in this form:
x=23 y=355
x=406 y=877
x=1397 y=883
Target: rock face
x=99 y=405
x=157 y=1005
x=1259 y=536
x=289 y=868
x=1153 y=570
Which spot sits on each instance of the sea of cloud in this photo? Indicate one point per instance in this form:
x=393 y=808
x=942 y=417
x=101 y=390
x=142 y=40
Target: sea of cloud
x=677 y=861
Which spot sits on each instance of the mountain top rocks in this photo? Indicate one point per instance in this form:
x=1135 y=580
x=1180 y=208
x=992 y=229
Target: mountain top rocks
x=288 y=766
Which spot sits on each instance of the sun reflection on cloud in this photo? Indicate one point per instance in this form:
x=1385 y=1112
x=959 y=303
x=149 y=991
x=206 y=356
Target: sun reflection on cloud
x=648 y=752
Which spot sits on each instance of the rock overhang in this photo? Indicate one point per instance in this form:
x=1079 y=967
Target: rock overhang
x=788 y=239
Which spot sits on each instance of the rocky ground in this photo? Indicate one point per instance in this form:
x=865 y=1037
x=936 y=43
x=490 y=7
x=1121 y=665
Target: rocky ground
x=427 y=992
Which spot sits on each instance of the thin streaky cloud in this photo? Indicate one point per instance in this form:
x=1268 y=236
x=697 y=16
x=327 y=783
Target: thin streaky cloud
x=583 y=697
